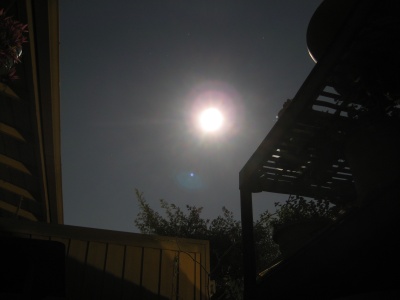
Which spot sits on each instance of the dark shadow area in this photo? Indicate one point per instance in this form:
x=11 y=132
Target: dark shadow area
x=38 y=265
x=31 y=269
x=356 y=258
x=38 y=269
x=86 y=282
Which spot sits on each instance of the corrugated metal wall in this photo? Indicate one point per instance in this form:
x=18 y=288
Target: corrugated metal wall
x=104 y=264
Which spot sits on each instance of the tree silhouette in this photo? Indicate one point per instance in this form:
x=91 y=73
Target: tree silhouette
x=224 y=234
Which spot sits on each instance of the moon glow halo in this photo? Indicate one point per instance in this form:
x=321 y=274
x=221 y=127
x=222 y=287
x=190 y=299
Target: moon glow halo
x=211 y=119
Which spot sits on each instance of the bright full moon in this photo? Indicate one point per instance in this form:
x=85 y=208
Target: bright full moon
x=211 y=119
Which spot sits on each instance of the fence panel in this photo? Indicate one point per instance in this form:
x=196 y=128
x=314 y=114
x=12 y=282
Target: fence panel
x=132 y=272
x=114 y=267
x=105 y=264
x=169 y=274
x=75 y=268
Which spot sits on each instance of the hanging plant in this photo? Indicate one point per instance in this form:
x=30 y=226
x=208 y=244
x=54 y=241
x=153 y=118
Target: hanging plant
x=12 y=36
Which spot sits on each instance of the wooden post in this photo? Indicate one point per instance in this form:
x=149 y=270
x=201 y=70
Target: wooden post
x=249 y=260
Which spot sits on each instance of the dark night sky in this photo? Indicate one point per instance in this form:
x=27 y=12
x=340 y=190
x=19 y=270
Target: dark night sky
x=134 y=76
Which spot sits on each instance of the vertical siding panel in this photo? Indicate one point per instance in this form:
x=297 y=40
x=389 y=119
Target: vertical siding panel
x=75 y=267
x=112 y=287
x=202 y=255
x=132 y=272
x=94 y=271
x=198 y=270
x=186 y=276
x=150 y=274
x=168 y=276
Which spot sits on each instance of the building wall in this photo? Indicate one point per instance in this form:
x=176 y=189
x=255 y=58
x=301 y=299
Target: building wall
x=104 y=264
x=30 y=151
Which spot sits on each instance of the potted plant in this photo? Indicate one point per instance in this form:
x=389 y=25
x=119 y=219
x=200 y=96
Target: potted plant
x=298 y=219
x=12 y=36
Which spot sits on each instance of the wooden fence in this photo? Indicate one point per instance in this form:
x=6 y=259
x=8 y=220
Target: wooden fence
x=105 y=264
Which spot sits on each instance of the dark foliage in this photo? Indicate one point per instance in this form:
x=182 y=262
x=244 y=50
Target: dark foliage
x=12 y=36
x=298 y=208
x=224 y=234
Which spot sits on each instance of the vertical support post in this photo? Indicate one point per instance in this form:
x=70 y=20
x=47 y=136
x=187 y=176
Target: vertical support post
x=249 y=259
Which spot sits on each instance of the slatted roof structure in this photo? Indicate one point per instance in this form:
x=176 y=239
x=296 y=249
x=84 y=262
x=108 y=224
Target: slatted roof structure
x=30 y=156
x=305 y=152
